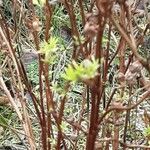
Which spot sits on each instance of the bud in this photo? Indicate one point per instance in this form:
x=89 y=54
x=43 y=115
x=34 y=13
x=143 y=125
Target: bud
x=91 y=27
x=121 y=77
x=136 y=67
x=36 y=25
x=133 y=72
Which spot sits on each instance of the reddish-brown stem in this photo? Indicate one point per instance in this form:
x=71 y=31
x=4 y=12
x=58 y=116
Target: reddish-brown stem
x=74 y=30
x=49 y=97
x=91 y=133
x=48 y=12
x=127 y=118
x=43 y=122
x=82 y=11
x=96 y=94
x=115 y=144
x=132 y=46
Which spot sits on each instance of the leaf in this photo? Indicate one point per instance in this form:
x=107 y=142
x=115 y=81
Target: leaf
x=49 y=50
x=147 y=131
x=39 y=2
x=3 y=121
x=50 y=46
x=70 y=75
x=104 y=40
x=63 y=126
x=81 y=72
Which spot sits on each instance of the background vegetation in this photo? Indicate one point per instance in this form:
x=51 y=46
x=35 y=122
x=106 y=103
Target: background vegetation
x=74 y=74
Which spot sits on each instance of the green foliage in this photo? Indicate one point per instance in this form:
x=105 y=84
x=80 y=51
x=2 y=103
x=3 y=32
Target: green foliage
x=147 y=131
x=3 y=121
x=49 y=50
x=39 y=2
x=58 y=89
x=87 y=69
x=59 y=18
x=32 y=72
x=76 y=41
x=1 y=58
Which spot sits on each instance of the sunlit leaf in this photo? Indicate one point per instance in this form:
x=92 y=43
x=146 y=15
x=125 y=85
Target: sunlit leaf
x=48 y=49
x=39 y=2
x=3 y=121
x=83 y=71
x=147 y=131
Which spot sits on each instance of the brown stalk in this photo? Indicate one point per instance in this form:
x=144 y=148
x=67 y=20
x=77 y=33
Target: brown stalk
x=26 y=123
x=91 y=131
x=106 y=55
x=134 y=146
x=82 y=11
x=43 y=122
x=4 y=26
x=80 y=120
x=96 y=95
x=79 y=128
x=49 y=103
x=60 y=136
x=130 y=41
x=115 y=143
x=48 y=12
x=49 y=97
x=127 y=118
x=59 y=119
x=61 y=109
x=74 y=30
x=105 y=65
x=145 y=95
x=110 y=98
